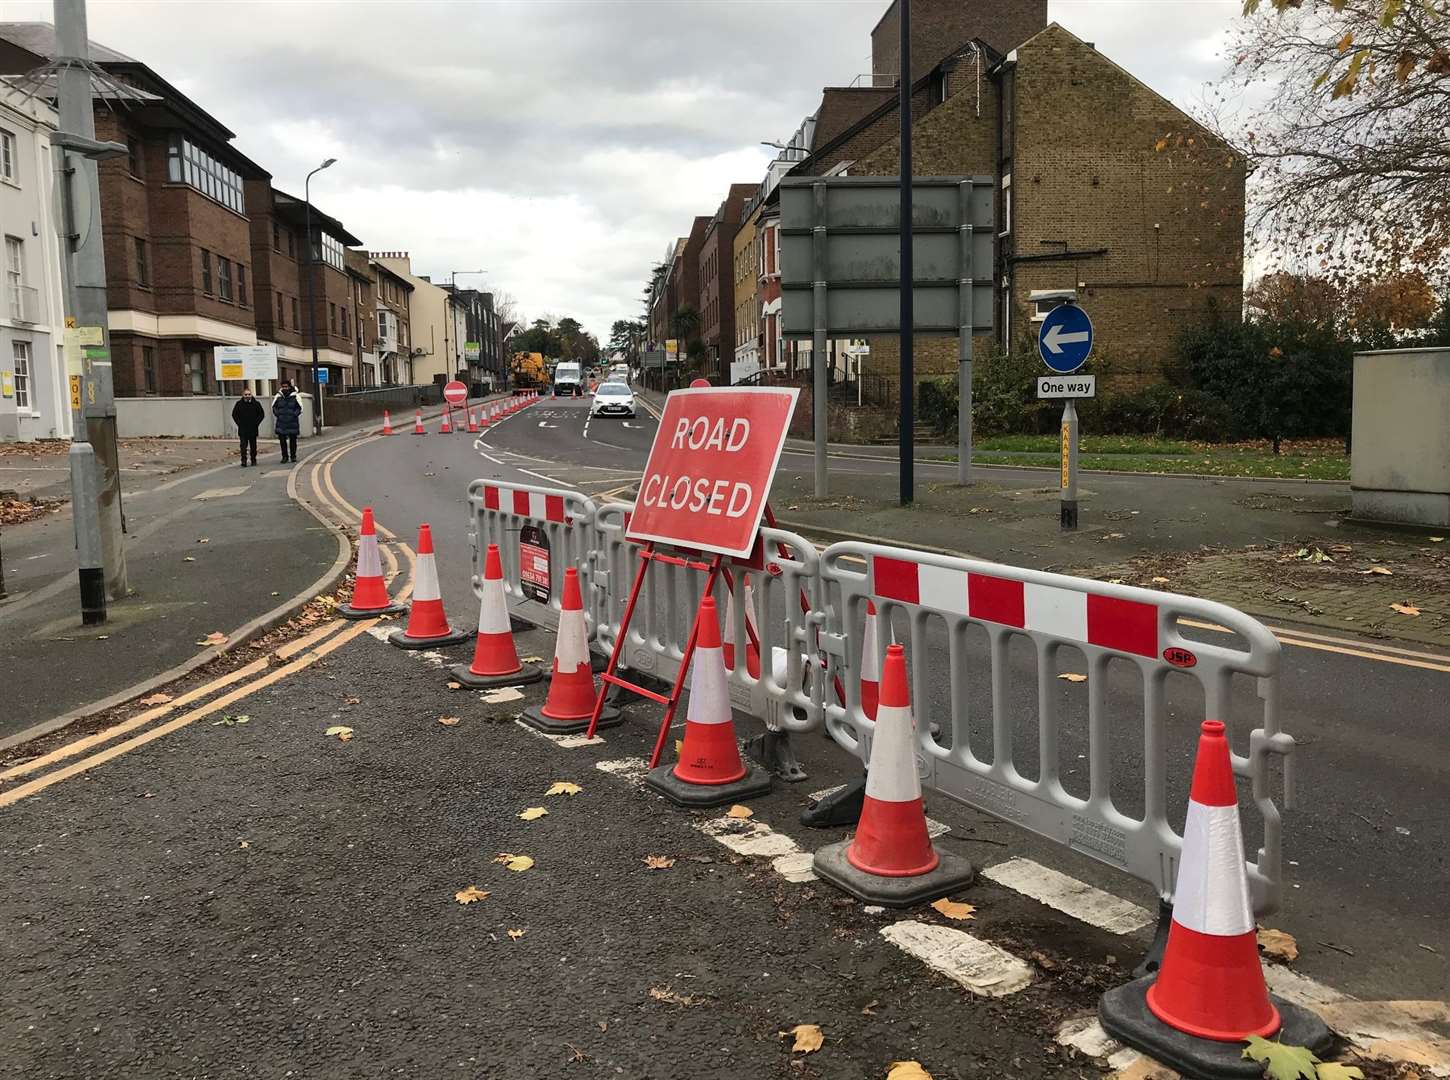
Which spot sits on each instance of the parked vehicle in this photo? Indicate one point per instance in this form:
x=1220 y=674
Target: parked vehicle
x=568 y=380
x=613 y=399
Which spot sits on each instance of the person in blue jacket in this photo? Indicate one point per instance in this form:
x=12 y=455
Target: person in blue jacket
x=287 y=419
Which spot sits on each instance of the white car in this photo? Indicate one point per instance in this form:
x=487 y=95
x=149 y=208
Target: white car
x=613 y=399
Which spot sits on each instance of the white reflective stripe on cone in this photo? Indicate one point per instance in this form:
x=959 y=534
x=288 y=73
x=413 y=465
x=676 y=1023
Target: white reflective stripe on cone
x=870 y=653
x=891 y=776
x=425 y=581
x=493 y=612
x=368 y=562
x=709 y=696
x=1212 y=893
x=572 y=647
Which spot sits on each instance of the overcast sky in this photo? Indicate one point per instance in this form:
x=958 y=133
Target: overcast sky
x=557 y=144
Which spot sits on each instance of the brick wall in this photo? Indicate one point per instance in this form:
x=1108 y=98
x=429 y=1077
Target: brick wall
x=938 y=27
x=859 y=144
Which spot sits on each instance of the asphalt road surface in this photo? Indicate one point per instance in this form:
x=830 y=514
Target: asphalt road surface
x=1365 y=858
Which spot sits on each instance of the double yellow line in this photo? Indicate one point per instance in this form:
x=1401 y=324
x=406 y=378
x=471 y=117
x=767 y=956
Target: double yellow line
x=93 y=750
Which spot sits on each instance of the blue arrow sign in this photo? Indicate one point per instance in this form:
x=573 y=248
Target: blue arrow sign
x=1065 y=339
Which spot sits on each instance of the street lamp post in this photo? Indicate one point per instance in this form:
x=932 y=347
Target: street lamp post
x=307 y=283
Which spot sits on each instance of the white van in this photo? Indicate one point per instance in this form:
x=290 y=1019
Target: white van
x=568 y=380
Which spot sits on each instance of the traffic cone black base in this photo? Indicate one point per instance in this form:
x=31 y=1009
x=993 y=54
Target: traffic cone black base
x=347 y=611
x=535 y=718
x=951 y=874
x=455 y=636
x=1126 y=1017
x=529 y=673
x=662 y=779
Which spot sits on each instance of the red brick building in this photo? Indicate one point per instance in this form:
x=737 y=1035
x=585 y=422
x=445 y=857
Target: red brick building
x=178 y=249
x=716 y=272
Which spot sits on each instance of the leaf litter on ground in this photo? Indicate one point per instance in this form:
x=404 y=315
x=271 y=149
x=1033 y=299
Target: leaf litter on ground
x=808 y=1038
x=469 y=894
x=1281 y=1060
x=907 y=1070
x=563 y=787
x=533 y=813
x=658 y=862
x=231 y=721
x=672 y=997
x=954 y=910
x=1278 y=945
x=517 y=863
x=738 y=811
x=340 y=732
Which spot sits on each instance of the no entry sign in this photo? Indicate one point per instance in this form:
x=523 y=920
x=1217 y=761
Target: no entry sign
x=710 y=467
x=455 y=393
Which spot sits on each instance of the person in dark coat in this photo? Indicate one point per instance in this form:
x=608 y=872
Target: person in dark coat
x=287 y=419
x=248 y=415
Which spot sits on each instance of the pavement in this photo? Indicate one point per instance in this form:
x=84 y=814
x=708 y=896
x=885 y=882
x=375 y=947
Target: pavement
x=220 y=883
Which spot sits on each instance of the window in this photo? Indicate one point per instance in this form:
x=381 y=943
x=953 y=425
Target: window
x=15 y=275
x=331 y=252
x=187 y=163
x=1041 y=306
x=403 y=334
x=281 y=313
x=332 y=317
x=7 y=156
x=224 y=278
x=1006 y=205
x=291 y=245
x=206 y=271
x=148 y=368
x=276 y=237
x=143 y=269
x=133 y=156
x=382 y=324
x=344 y=322
x=22 y=373
x=241 y=285
x=196 y=370
x=296 y=314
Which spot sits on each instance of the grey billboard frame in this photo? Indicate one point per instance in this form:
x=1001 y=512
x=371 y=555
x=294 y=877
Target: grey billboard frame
x=840 y=261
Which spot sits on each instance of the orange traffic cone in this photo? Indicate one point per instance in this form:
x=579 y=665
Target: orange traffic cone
x=495 y=660
x=387 y=424
x=891 y=859
x=447 y=428
x=870 y=665
x=369 y=590
x=710 y=771
x=472 y=421
x=427 y=624
x=418 y=428
x=571 y=688
x=752 y=648
x=1209 y=994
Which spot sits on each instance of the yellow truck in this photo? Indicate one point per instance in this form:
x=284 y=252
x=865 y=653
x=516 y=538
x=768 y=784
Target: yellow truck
x=529 y=370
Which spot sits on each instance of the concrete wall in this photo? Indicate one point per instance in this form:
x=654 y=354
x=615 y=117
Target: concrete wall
x=193 y=417
x=1400 y=467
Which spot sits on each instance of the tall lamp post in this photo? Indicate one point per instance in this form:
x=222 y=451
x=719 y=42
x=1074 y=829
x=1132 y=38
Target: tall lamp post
x=307 y=281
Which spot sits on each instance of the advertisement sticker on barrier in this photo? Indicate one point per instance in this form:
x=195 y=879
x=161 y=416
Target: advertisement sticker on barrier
x=710 y=468
x=534 y=563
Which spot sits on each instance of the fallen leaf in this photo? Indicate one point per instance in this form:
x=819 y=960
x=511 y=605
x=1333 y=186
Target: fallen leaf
x=232 y=721
x=470 y=894
x=738 y=811
x=1072 y=676
x=351 y=701
x=204 y=540
x=1406 y=609
x=454 y=685
x=1159 y=580
x=808 y=1038
x=216 y=637
x=187 y=558
x=563 y=787
x=664 y=993
x=531 y=659
x=869 y=1009
x=147 y=795
x=276 y=594
x=679 y=746
x=514 y=862
x=516 y=934
x=953 y=910
x=1278 y=945
x=1437 y=539
x=243 y=845
x=1382 y=570
x=533 y=813
x=344 y=734
x=1284 y=1062
x=1334 y=1070
x=907 y=1070
x=156 y=699
x=659 y=862
x=449 y=721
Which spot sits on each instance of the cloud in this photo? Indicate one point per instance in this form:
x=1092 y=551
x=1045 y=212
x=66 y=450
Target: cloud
x=560 y=144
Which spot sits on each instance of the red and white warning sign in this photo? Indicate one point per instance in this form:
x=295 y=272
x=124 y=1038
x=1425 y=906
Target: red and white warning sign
x=455 y=393
x=710 y=467
x=534 y=563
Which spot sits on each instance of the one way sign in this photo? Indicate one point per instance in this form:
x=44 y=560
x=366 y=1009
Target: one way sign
x=1065 y=339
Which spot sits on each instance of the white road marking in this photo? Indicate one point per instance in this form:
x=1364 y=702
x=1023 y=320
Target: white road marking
x=798 y=866
x=541 y=476
x=934 y=828
x=1070 y=896
x=563 y=742
x=748 y=837
x=1086 y=1034
x=979 y=966
x=633 y=770
x=222 y=493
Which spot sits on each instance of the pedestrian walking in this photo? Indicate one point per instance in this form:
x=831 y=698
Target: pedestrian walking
x=287 y=419
x=248 y=415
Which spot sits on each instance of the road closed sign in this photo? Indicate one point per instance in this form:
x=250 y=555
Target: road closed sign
x=455 y=393
x=709 y=470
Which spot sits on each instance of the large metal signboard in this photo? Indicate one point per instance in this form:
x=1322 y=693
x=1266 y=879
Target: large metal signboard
x=710 y=468
x=245 y=361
